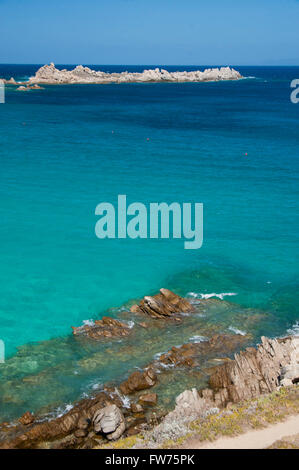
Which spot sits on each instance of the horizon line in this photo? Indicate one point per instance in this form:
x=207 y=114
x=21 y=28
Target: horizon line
x=157 y=65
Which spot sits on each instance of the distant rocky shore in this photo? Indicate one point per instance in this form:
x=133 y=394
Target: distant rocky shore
x=107 y=417
x=49 y=74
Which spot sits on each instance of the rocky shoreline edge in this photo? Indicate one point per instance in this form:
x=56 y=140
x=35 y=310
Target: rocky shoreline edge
x=50 y=75
x=104 y=418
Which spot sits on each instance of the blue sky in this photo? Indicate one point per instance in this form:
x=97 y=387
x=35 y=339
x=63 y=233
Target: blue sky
x=257 y=32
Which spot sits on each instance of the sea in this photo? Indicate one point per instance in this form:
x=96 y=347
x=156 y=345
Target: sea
x=232 y=146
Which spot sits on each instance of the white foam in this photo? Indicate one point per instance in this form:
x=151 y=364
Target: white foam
x=125 y=400
x=88 y=322
x=62 y=411
x=294 y=331
x=198 y=339
x=158 y=355
x=131 y=324
x=96 y=386
x=201 y=296
x=237 y=331
x=166 y=366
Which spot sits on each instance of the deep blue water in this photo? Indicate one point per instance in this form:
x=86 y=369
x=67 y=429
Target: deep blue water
x=65 y=149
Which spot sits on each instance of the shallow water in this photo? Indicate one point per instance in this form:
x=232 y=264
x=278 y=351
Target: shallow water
x=66 y=149
x=46 y=377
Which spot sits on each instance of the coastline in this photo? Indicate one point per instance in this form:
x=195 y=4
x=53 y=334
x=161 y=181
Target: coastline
x=133 y=404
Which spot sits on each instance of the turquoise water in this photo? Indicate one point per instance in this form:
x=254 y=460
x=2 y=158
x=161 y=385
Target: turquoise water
x=65 y=149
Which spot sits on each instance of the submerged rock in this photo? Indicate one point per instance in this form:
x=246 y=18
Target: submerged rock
x=139 y=381
x=28 y=87
x=189 y=354
x=148 y=399
x=136 y=408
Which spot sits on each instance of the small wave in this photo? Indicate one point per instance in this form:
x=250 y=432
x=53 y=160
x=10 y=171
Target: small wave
x=198 y=339
x=294 y=331
x=61 y=411
x=88 y=323
x=57 y=413
x=237 y=331
x=96 y=386
x=166 y=366
x=131 y=324
x=201 y=296
x=124 y=399
x=158 y=355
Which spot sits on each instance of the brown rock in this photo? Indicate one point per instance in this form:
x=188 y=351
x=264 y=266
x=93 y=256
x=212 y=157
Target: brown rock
x=136 y=408
x=60 y=428
x=83 y=423
x=133 y=430
x=189 y=354
x=105 y=328
x=162 y=305
x=26 y=419
x=139 y=381
x=81 y=433
x=148 y=399
x=179 y=356
x=135 y=309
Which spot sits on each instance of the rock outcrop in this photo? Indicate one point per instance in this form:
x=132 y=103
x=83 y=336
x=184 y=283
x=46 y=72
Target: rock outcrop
x=11 y=81
x=72 y=426
x=190 y=353
x=254 y=372
x=162 y=305
x=190 y=402
x=49 y=74
x=189 y=406
x=27 y=86
x=27 y=418
x=110 y=421
x=290 y=372
x=139 y=381
x=105 y=328
x=124 y=409
x=148 y=399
